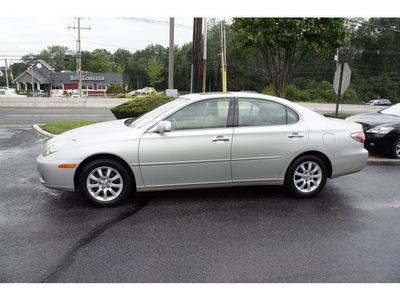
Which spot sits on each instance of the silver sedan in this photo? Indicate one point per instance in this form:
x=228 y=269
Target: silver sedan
x=204 y=140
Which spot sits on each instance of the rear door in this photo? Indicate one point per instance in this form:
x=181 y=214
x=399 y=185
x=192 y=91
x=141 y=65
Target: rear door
x=267 y=136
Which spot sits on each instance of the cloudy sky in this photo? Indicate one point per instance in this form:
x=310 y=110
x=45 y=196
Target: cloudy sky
x=31 y=35
x=133 y=24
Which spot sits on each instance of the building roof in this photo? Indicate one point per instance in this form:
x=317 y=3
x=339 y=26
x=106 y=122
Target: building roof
x=26 y=76
x=50 y=68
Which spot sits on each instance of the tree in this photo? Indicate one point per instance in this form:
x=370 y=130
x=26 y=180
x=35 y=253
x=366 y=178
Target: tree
x=285 y=42
x=120 y=60
x=100 y=61
x=154 y=69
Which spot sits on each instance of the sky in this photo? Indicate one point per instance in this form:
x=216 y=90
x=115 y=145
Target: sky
x=32 y=35
x=30 y=27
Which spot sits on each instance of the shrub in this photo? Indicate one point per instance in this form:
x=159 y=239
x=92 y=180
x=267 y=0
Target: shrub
x=115 y=89
x=140 y=106
x=269 y=90
x=293 y=93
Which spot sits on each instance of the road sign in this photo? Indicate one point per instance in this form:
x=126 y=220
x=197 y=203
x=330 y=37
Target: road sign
x=346 y=74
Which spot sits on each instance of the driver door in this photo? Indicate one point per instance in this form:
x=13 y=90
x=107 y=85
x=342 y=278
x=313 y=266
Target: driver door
x=195 y=152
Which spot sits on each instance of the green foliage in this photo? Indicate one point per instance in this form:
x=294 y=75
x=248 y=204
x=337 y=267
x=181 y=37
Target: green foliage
x=268 y=90
x=311 y=90
x=115 y=89
x=58 y=128
x=374 y=88
x=339 y=115
x=284 y=42
x=154 y=69
x=139 y=106
x=100 y=62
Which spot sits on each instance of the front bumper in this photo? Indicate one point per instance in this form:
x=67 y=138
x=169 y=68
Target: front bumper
x=377 y=142
x=51 y=176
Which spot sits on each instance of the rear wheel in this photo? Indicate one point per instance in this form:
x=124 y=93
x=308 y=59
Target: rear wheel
x=396 y=149
x=104 y=182
x=306 y=176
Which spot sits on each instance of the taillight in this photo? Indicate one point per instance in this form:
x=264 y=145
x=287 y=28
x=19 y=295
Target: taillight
x=358 y=136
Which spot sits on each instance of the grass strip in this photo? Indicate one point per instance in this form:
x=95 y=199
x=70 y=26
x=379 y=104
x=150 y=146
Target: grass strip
x=58 y=128
x=339 y=116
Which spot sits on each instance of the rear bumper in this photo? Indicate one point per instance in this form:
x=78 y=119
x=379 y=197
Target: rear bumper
x=352 y=162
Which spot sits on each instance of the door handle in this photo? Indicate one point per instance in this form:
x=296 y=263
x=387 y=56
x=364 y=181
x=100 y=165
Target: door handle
x=295 y=135
x=220 y=138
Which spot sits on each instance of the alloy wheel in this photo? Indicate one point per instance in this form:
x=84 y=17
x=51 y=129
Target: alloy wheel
x=307 y=177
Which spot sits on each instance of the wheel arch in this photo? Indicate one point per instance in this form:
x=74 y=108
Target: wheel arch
x=104 y=156
x=318 y=154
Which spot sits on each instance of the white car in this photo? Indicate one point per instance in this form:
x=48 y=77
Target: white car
x=57 y=93
x=204 y=140
x=9 y=92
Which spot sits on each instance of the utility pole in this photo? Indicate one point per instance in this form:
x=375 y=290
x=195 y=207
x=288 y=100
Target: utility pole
x=196 y=57
x=79 y=56
x=205 y=55
x=171 y=54
x=223 y=58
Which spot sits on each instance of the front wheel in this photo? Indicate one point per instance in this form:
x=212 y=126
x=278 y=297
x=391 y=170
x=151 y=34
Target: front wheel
x=306 y=176
x=104 y=182
x=396 y=149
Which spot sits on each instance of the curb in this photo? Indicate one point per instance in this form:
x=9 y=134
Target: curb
x=41 y=131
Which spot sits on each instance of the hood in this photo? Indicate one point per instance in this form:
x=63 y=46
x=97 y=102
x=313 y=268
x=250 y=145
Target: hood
x=371 y=120
x=110 y=130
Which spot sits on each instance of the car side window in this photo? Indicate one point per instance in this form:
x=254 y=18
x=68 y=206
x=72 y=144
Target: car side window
x=258 y=112
x=211 y=113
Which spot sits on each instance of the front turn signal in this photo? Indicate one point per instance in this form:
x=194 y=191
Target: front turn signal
x=67 y=166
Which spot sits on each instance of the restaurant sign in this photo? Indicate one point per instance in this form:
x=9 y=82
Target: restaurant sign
x=91 y=78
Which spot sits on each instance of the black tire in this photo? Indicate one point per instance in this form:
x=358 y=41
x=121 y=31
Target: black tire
x=306 y=177
x=104 y=182
x=396 y=149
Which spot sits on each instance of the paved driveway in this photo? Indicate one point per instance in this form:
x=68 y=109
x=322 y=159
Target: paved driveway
x=349 y=233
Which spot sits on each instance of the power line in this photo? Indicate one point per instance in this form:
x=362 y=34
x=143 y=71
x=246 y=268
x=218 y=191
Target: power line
x=372 y=25
x=154 y=22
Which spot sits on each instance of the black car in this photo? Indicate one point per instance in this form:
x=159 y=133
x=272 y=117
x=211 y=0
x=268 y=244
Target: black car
x=382 y=130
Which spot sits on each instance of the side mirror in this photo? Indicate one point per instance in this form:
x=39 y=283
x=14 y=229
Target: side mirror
x=163 y=126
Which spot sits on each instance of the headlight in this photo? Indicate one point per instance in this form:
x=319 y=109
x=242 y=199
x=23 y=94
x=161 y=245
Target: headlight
x=54 y=147
x=383 y=130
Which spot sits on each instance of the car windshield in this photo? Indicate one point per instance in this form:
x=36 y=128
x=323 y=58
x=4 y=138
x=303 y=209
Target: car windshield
x=155 y=113
x=392 y=110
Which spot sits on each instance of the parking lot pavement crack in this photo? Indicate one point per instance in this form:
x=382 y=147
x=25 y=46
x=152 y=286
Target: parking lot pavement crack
x=69 y=259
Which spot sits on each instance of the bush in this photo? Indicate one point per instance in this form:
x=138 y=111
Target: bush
x=115 y=89
x=269 y=90
x=140 y=106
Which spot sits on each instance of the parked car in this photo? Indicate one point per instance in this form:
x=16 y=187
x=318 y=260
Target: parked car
x=204 y=140
x=39 y=93
x=9 y=92
x=382 y=130
x=57 y=93
x=142 y=92
x=381 y=102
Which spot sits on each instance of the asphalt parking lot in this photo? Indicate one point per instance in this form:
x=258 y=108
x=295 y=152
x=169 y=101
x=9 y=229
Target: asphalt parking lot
x=349 y=233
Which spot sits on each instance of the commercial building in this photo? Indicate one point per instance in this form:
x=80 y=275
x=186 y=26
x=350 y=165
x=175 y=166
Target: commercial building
x=41 y=76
